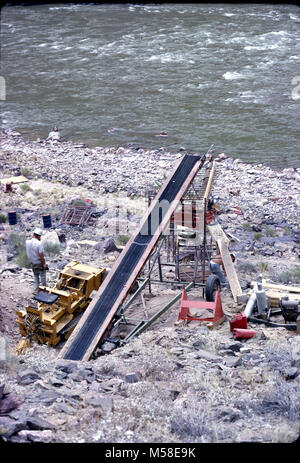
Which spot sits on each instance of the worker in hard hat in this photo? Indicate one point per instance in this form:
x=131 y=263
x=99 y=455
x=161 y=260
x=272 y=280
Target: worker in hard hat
x=35 y=254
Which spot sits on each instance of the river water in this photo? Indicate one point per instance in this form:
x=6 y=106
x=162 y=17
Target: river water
x=113 y=74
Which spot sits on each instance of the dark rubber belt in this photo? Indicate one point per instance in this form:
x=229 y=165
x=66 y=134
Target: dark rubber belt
x=126 y=267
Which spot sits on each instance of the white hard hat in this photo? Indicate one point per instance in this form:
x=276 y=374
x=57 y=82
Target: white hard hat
x=38 y=231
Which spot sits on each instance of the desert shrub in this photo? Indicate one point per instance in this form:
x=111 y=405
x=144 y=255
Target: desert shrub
x=147 y=421
x=159 y=182
x=156 y=363
x=78 y=202
x=123 y=239
x=191 y=423
x=286 y=230
x=25 y=171
x=107 y=366
x=3 y=218
x=262 y=266
x=51 y=248
x=258 y=236
x=22 y=259
x=247 y=267
x=279 y=357
x=25 y=187
x=247 y=226
x=282 y=399
x=17 y=244
x=37 y=192
x=290 y=276
x=270 y=232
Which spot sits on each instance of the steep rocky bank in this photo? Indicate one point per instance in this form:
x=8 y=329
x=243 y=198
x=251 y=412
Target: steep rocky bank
x=171 y=384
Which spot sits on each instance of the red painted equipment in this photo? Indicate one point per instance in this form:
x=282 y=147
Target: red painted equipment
x=238 y=321
x=239 y=333
x=215 y=307
x=8 y=188
x=209 y=217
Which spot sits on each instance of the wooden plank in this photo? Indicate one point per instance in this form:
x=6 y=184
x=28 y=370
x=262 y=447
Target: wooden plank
x=290 y=289
x=213 y=325
x=88 y=242
x=18 y=179
x=217 y=233
x=229 y=269
x=210 y=180
x=276 y=295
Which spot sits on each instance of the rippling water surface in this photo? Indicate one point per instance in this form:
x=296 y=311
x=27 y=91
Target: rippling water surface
x=112 y=74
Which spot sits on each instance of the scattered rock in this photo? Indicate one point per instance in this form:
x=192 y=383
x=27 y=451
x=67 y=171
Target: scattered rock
x=37 y=423
x=28 y=377
x=110 y=246
x=36 y=436
x=103 y=402
x=290 y=373
x=9 y=426
x=48 y=397
x=9 y=402
x=234 y=346
x=206 y=355
x=232 y=362
x=132 y=377
x=228 y=414
x=67 y=366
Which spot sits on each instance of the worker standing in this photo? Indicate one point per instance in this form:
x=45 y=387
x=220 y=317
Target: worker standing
x=35 y=254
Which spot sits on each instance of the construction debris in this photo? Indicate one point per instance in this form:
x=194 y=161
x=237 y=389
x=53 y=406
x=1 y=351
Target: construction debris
x=275 y=292
x=267 y=299
x=85 y=215
x=12 y=180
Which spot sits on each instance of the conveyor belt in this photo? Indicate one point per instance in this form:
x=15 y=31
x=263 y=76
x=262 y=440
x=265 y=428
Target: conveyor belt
x=101 y=311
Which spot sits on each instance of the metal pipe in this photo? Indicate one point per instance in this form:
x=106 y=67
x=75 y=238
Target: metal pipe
x=159 y=268
x=291 y=326
x=125 y=306
x=250 y=304
x=175 y=282
x=144 y=325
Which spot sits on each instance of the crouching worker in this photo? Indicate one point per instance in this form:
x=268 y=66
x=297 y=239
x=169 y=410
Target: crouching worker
x=35 y=254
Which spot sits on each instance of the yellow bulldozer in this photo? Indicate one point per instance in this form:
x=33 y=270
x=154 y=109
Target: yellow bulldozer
x=56 y=311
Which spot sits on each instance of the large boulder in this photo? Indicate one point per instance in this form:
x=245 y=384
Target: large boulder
x=110 y=246
x=50 y=239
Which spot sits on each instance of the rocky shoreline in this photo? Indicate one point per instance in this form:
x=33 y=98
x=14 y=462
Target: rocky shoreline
x=171 y=384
